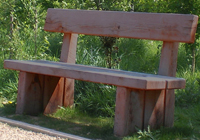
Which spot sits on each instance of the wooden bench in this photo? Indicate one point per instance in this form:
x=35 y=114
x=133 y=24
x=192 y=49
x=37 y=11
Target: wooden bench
x=141 y=99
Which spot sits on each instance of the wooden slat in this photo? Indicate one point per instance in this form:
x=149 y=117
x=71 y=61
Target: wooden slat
x=153 y=26
x=95 y=74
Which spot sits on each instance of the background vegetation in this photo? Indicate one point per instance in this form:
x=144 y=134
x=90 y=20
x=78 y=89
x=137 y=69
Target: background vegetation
x=22 y=37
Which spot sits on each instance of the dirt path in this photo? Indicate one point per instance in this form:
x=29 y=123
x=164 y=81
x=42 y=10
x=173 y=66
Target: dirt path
x=8 y=132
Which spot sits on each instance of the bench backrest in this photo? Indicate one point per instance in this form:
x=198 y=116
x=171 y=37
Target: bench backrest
x=152 y=26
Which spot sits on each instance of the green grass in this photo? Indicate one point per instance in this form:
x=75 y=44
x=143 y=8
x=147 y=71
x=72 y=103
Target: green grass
x=67 y=120
x=186 y=124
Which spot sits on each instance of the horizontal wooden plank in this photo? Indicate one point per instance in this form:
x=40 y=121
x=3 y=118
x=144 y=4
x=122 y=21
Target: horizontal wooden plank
x=98 y=75
x=153 y=26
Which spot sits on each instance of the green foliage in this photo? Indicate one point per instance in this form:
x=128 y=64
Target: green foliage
x=89 y=51
x=9 y=91
x=119 y=5
x=54 y=43
x=8 y=88
x=139 y=55
x=190 y=95
x=95 y=99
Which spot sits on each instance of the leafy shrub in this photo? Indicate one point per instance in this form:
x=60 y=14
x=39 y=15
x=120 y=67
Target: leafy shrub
x=95 y=99
x=139 y=55
x=9 y=85
x=191 y=94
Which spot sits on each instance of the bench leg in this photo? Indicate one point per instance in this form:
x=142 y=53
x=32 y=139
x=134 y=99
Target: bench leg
x=30 y=94
x=154 y=109
x=60 y=91
x=126 y=107
x=68 y=97
x=53 y=94
x=38 y=93
x=169 y=108
x=138 y=109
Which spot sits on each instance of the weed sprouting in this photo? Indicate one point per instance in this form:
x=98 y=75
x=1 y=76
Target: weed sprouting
x=147 y=134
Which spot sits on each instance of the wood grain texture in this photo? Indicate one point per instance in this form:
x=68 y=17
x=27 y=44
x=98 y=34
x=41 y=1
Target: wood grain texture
x=154 y=109
x=153 y=26
x=168 y=59
x=39 y=93
x=168 y=65
x=68 y=51
x=56 y=99
x=68 y=55
x=30 y=94
x=138 y=109
x=95 y=74
x=169 y=108
x=21 y=96
x=68 y=95
x=50 y=93
x=129 y=111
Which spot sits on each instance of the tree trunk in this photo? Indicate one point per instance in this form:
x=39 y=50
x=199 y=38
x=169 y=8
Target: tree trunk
x=35 y=29
x=193 y=58
x=11 y=33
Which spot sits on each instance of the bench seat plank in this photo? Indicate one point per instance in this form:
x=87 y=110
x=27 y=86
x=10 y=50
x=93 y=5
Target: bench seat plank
x=98 y=75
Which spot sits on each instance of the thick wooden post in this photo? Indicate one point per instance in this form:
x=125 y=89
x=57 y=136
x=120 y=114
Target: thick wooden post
x=35 y=93
x=154 y=109
x=30 y=94
x=68 y=55
x=138 y=109
x=129 y=111
x=53 y=93
x=167 y=67
x=63 y=94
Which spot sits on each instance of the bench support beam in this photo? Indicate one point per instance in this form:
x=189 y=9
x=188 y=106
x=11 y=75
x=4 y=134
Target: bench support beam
x=37 y=92
x=167 y=67
x=68 y=55
x=127 y=104
x=138 y=109
x=53 y=93
x=30 y=94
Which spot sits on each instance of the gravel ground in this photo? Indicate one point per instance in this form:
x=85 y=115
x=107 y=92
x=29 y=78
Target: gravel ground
x=8 y=132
